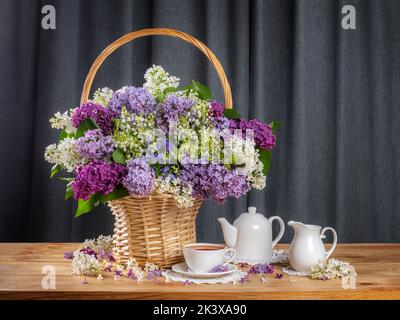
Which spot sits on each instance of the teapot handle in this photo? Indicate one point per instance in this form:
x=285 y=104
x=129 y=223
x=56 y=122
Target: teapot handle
x=281 y=231
x=328 y=253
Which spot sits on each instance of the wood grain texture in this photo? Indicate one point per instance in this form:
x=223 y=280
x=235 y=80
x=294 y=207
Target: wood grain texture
x=377 y=266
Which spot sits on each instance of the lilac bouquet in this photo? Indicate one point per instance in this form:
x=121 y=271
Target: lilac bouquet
x=158 y=138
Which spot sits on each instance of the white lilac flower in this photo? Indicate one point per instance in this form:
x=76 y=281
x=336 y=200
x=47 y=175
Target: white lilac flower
x=173 y=185
x=64 y=153
x=103 y=96
x=62 y=121
x=134 y=270
x=101 y=243
x=136 y=135
x=85 y=264
x=331 y=269
x=157 y=80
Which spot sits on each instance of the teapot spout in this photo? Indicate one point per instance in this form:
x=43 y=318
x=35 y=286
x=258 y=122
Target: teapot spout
x=229 y=231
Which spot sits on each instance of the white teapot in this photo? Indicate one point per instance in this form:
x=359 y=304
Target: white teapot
x=307 y=248
x=251 y=236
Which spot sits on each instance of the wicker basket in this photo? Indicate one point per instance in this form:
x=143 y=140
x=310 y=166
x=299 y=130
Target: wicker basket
x=153 y=228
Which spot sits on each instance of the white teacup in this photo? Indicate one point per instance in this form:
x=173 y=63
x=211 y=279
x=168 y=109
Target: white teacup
x=203 y=257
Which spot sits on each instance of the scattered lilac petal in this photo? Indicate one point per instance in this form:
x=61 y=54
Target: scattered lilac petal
x=261 y=268
x=220 y=268
x=68 y=255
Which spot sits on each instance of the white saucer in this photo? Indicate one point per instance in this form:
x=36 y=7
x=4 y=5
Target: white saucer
x=183 y=269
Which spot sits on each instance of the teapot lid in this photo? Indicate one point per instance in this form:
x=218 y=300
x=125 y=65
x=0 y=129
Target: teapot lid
x=252 y=215
x=252 y=210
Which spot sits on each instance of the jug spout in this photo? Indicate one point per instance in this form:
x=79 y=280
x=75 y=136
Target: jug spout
x=229 y=231
x=295 y=225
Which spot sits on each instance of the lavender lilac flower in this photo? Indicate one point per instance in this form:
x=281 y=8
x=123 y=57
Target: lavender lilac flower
x=140 y=177
x=97 y=176
x=261 y=268
x=94 y=145
x=101 y=115
x=213 y=181
x=263 y=136
x=220 y=268
x=135 y=100
x=171 y=109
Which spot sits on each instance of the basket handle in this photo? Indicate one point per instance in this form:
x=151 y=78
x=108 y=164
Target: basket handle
x=161 y=32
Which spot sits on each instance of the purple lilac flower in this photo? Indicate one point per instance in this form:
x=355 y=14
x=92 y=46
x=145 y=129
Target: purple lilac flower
x=118 y=272
x=214 y=181
x=170 y=110
x=186 y=282
x=108 y=268
x=68 y=255
x=140 y=177
x=103 y=116
x=135 y=100
x=89 y=252
x=220 y=268
x=244 y=278
x=131 y=275
x=217 y=109
x=278 y=275
x=263 y=136
x=261 y=268
x=94 y=145
x=97 y=176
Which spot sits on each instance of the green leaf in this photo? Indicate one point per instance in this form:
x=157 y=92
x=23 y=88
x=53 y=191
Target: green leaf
x=87 y=124
x=66 y=179
x=170 y=90
x=118 y=156
x=68 y=191
x=63 y=134
x=160 y=97
x=265 y=158
x=56 y=169
x=119 y=192
x=231 y=114
x=203 y=91
x=274 y=126
x=85 y=206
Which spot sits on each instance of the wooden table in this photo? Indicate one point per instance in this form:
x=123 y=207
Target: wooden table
x=377 y=266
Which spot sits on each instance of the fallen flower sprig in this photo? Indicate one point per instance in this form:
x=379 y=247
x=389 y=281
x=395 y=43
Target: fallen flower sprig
x=331 y=269
x=95 y=256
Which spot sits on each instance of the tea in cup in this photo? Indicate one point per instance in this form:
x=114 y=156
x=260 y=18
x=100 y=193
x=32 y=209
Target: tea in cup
x=203 y=257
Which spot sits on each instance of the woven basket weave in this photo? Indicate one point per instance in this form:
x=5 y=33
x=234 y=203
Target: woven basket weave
x=153 y=228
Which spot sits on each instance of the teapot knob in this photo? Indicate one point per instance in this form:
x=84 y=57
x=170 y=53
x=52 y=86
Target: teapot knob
x=252 y=210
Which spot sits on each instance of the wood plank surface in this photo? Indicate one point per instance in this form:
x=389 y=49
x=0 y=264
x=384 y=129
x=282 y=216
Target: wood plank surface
x=377 y=267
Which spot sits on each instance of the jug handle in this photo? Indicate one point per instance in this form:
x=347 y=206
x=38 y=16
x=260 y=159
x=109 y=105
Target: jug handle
x=328 y=253
x=281 y=230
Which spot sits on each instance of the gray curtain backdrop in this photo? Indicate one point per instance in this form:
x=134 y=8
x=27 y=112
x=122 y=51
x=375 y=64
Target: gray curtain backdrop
x=335 y=92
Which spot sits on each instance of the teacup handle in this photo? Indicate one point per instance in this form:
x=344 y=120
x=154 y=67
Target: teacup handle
x=281 y=230
x=328 y=253
x=233 y=255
